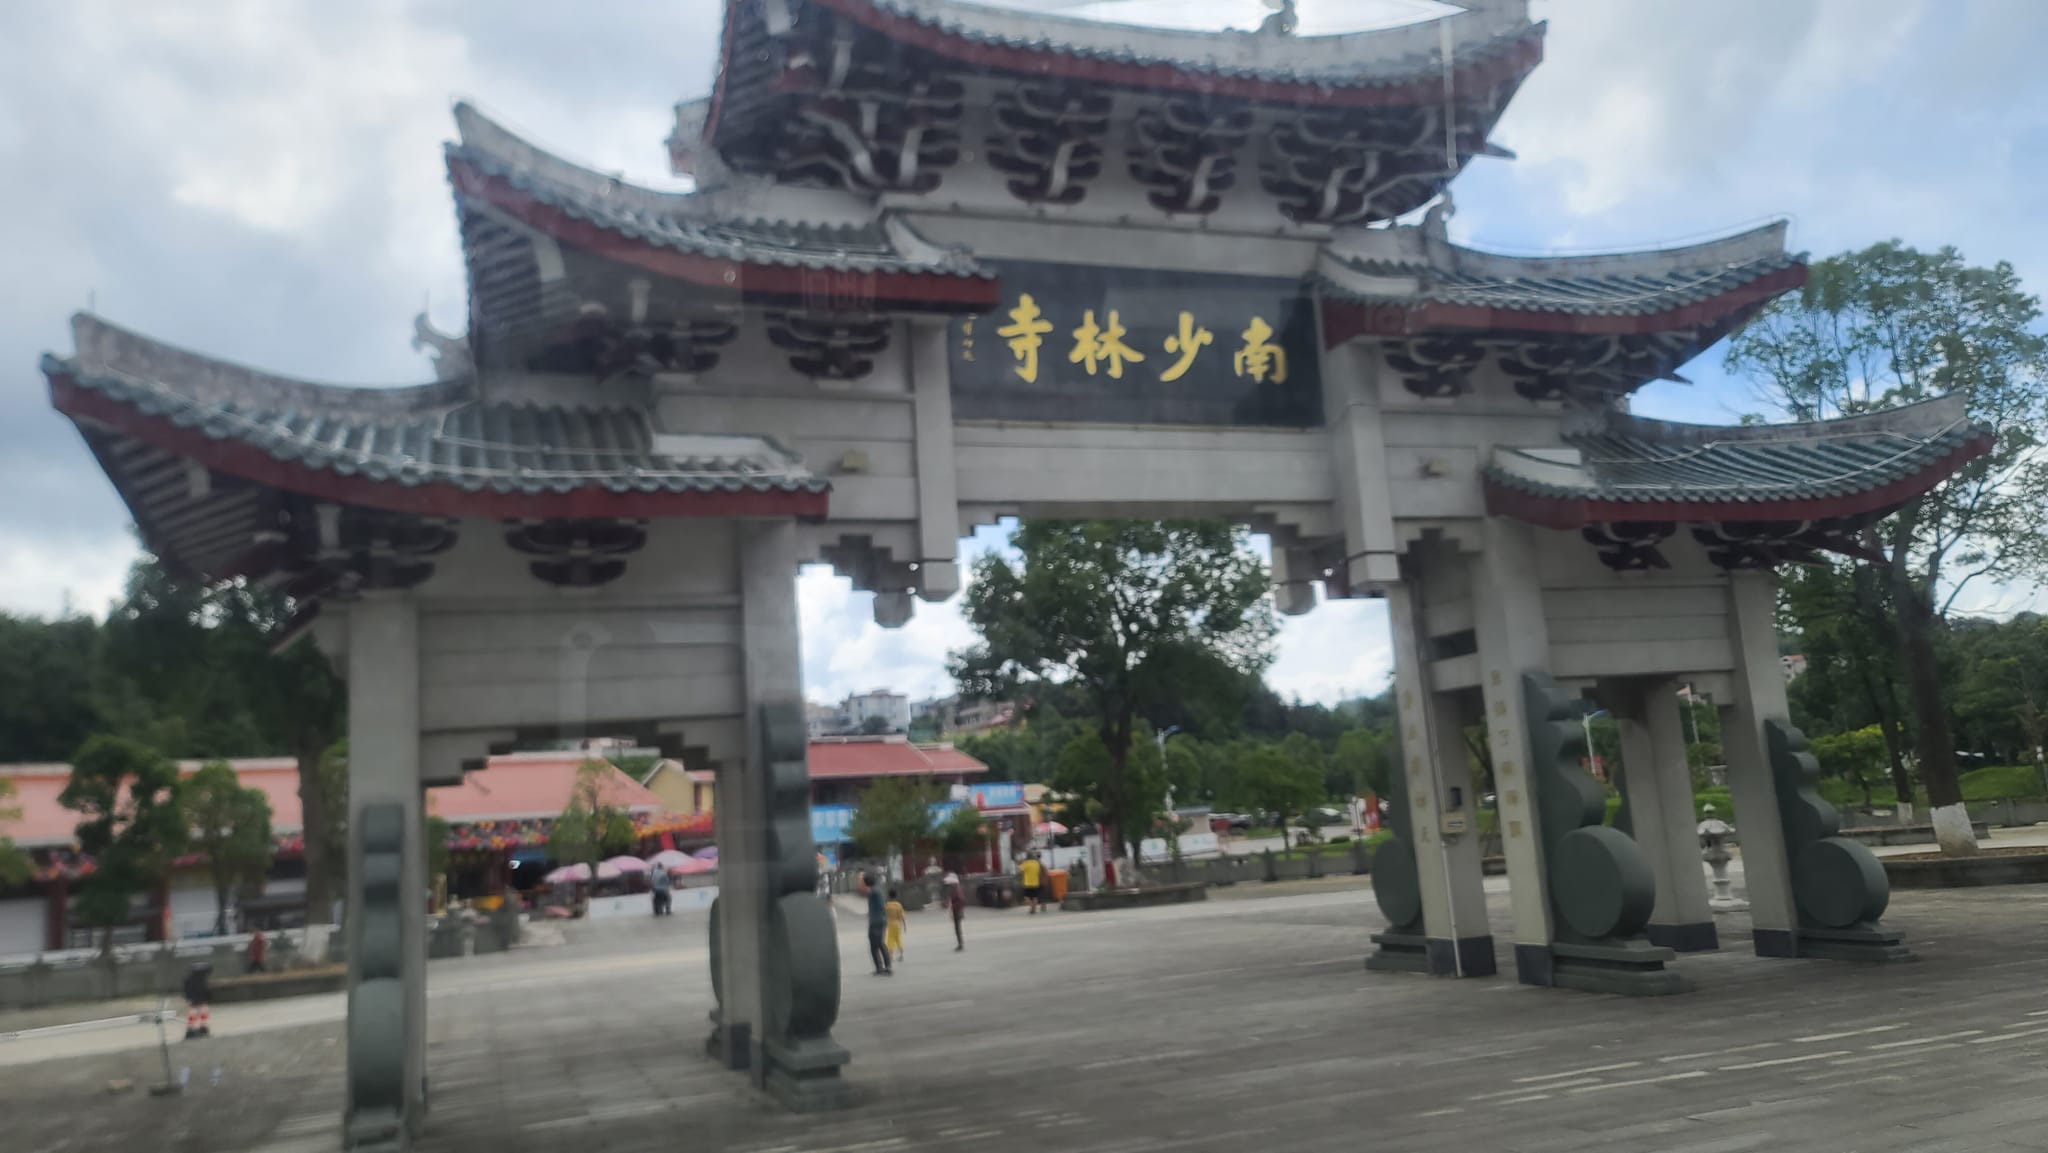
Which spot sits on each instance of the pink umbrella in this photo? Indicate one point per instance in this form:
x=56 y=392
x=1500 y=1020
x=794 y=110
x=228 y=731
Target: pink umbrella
x=1053 y=827
x=670 y=859
x=606 y=871
x=693 y=865
x=707 y=853
x=567 y=874
x=623 y=865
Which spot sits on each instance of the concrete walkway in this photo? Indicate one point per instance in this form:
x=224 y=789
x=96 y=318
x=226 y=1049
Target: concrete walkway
x=1222 y=1025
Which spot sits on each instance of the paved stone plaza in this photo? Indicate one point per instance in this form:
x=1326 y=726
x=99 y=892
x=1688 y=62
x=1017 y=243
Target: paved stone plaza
x=1245 y=1022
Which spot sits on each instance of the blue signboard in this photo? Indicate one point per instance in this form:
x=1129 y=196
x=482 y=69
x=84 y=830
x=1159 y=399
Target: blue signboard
x=829 y=823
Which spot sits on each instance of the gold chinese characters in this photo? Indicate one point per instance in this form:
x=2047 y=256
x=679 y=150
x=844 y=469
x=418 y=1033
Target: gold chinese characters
x=1101 y=348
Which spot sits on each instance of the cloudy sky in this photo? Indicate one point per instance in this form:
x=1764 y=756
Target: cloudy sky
x=261 y=179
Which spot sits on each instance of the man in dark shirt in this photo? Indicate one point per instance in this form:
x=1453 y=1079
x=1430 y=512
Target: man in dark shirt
x=878 y=926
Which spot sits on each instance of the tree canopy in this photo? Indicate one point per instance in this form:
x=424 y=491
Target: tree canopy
x=893 y=815
x=1891 y=325
x=231 y=825
x=1125 y=615
x=131 y=822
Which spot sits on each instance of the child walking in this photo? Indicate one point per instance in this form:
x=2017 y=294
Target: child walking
x=893 y=941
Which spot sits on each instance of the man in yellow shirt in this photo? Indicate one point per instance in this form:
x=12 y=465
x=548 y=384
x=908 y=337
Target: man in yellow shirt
x=1031 y=873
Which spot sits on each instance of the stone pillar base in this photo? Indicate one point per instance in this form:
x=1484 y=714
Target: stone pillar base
x=1631 y=968
x=1697 y=937
x=1399 y=953
x=1464 y=957
x=1857 y=943
x=804 y=1075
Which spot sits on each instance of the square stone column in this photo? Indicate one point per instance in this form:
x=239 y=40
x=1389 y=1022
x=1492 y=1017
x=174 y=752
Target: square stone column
x=1759 y=696
x=387 y=876
x=1445 y=870
x=772 y=673
x=1514 y=639
x=1658 y=784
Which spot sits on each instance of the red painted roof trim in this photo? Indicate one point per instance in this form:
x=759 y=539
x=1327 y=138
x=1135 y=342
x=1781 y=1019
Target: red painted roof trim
x=1577 y=512
x=432 y=498
x=1508 y=66
x=934 y=291
x=726 y=36
x=1345 y=320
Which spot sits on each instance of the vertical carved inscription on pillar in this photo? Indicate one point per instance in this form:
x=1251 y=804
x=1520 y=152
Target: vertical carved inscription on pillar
x=377 y=1008
x=1395 y=884
x=1600 y=889
x=800 y=958
x=1838 y=885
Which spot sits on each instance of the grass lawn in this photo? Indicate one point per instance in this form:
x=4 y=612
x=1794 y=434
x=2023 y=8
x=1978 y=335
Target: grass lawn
x=2020 y=782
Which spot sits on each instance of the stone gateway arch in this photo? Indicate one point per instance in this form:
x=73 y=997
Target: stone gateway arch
x=945 y=264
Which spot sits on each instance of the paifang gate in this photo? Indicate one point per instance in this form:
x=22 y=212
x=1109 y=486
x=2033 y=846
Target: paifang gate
x=945 y=264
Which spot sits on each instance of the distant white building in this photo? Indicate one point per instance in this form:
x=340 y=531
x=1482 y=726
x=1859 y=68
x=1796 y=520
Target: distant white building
x=893 y=708
x=823 y=720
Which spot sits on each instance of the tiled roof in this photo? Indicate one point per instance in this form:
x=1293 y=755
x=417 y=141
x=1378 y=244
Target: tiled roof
x=520 y=786
x=1629 y=460
x=715 y=225
x=1408 y=266
x=434 y=434
x=856 y=757
x=1377 y=58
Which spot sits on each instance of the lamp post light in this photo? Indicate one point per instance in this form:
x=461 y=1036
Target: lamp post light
x=1586 y=726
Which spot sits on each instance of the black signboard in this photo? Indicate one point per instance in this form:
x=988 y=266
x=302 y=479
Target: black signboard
x=1076 y=342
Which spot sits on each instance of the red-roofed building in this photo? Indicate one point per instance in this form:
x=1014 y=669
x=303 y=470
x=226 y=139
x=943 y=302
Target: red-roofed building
x=841 y=767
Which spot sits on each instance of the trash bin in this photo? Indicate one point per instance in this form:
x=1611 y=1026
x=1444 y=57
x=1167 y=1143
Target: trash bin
x=1057 y=879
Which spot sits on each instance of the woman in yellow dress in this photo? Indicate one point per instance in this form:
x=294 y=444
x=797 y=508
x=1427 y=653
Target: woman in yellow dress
x=893 y=940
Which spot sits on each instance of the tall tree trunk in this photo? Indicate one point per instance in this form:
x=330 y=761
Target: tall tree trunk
x=314 y=824
x=1936 y=748
x=220 y=895
x=1894 y=741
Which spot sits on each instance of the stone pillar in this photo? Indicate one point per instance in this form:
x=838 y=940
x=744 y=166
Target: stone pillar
x=387 y=978
x=1759 y=696
x=1658 y=784
x=1514 y=639
x=938 y=507
x=1422 y=880
x=775 y=953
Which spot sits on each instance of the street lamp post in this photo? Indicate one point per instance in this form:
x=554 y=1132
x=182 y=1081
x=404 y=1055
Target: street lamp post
x=1586 y=726
x=1172 y=821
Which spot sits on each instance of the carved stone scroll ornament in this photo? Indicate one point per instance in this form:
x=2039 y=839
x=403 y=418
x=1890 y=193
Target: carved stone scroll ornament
x=1838 y=885
x=1186 y=151
x=1396 y=886
x=1436 y=366
x=1050 y=144
x=378 y=1006
x=1630 y=546
x=1601 y=890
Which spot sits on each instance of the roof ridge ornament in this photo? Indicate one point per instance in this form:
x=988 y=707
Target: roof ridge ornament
x=1282 y=22
x=450 y=354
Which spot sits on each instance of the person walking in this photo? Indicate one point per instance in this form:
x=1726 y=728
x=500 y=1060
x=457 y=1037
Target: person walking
x=198 y=998
x=1031 y=873
x=259 y=948
x=878 y=926
x=956 y=903
x=892 y=939
x=663 y=886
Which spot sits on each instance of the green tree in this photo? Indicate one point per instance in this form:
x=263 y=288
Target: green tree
x=1266 y=779
x=1890 y=325
x=49 y=700
x=1130 y=802
x=231 y=825
x=961 y=830
x=1364 y=757
x=893 y=815
x=14 y=864
x=592 y=826
x=1843 y=617
x=874 y=726
x=1123 y=614
x=1853 y=756
x=130 y=822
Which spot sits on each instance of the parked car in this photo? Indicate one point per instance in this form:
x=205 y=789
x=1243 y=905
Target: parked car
x=1229 y=822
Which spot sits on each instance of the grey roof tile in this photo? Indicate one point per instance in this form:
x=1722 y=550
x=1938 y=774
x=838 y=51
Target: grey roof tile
x=438 y=434
x=1622 y=458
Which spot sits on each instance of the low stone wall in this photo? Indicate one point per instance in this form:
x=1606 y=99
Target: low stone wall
x=1968 y=872
x=271 y=986
x=1903 y=834
x=1350 y=859
x=1135 y=898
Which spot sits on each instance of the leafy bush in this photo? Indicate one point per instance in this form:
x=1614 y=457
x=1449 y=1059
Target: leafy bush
x=1724 y=807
